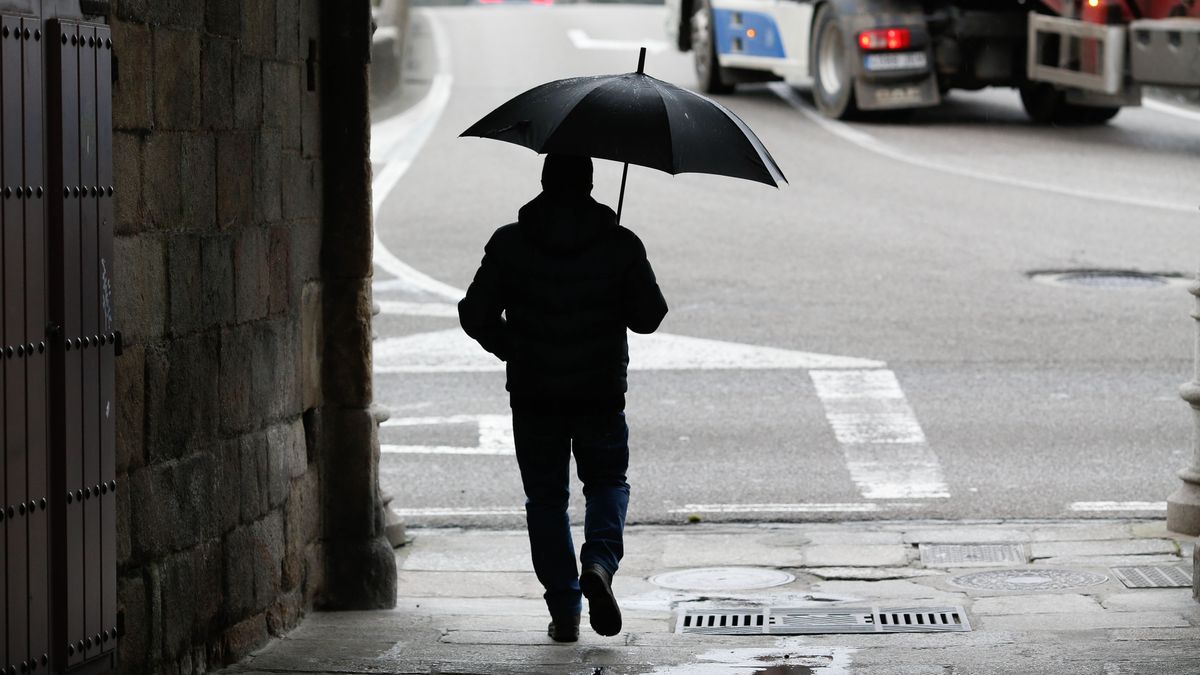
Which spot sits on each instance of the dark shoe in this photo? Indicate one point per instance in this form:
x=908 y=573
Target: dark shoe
x=605 y=615
x=564 y=628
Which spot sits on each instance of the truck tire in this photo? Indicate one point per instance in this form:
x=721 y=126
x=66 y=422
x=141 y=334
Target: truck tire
x=833 y=83
x=1046 y=104
x=704 y=51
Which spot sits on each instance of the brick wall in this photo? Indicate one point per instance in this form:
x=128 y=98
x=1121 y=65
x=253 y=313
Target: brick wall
x=220 y=278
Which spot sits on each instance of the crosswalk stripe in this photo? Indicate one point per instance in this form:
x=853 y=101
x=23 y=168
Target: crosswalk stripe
x=1117 y=506
x=776 y=508
x=885 y=448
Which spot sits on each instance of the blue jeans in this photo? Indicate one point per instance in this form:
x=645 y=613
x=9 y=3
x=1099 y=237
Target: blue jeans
x=601 y=447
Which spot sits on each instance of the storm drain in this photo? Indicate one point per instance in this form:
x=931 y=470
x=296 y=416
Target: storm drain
x=1154 y=576
x=972 y=555
x=1028 y=579
x=799 y=621
x=1099 y=278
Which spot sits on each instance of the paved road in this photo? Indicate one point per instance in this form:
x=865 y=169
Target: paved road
x=865 y=342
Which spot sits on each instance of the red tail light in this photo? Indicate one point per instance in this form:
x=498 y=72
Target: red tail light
x=884 y=38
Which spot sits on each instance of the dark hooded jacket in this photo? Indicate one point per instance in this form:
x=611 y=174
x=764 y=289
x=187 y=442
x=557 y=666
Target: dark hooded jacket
x=553 y=298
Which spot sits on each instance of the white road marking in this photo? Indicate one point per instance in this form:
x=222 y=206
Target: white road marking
x=885 y=448
x=1171 y=109
x=468 y=511
x=395 y=142
x=1117 y=506
x=495 y=435
x=443 y=309
x=452 y=351
x=777 y=508
x=872 y=144
x=581 y=40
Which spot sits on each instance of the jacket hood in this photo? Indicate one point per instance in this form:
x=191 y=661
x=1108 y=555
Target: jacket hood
x=564 y=221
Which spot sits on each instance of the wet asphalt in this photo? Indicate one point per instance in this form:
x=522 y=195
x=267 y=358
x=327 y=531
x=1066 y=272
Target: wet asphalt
x=908 y=241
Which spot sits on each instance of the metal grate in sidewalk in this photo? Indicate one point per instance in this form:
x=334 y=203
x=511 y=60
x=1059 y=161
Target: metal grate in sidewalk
x=1154 y=576
x=804 y=621
x=972 y=555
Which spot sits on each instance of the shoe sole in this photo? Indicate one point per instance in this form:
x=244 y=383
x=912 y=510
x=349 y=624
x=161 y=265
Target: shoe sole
x=603 y=612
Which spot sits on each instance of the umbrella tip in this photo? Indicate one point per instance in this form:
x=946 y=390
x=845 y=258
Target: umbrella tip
x=642 y=60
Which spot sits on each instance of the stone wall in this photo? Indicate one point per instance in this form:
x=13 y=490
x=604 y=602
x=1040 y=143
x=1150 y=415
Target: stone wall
x=220 y=230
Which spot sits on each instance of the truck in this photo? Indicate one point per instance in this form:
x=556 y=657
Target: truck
x=1073 y=61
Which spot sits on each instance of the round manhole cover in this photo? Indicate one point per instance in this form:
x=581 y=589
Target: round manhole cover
x=1028 y=580
x=722 y=579
x=1106 y=279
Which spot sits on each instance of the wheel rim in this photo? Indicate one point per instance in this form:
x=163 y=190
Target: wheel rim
x=701 y=49
x=831 y=67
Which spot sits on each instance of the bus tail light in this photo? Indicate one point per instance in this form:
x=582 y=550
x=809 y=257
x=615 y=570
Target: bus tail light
x=884 y=39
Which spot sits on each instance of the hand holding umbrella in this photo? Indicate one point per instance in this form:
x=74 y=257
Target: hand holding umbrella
x=632 y=118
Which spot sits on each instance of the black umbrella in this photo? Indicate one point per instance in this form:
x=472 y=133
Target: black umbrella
x=635 y=119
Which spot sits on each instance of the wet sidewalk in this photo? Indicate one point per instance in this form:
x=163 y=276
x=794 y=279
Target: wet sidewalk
x=1039 y=597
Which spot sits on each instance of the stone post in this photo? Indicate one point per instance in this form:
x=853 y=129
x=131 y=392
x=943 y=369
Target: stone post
x=1183 y=506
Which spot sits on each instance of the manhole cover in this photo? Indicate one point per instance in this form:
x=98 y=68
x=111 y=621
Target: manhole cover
x=1028 y=579
x=972 y=555
x=804 y=621
x=722 y=579
x=1155 y=576
x=1106 y=278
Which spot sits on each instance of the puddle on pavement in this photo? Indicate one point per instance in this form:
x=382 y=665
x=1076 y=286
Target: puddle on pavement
x=785 y=670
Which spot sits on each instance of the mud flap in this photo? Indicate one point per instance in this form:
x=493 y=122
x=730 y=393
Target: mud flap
x=891 y=95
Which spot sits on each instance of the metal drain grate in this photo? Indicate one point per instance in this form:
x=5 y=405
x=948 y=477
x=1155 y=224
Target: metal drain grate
x=787 y=621
x=972 y=555
x=1154 y=576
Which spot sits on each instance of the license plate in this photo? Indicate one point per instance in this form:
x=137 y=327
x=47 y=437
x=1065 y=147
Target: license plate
x=901 y=61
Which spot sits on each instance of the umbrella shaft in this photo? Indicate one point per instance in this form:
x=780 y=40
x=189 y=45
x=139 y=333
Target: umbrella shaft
x=621 y=199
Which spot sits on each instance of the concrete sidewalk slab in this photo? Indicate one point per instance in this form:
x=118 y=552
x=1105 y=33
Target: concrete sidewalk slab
x=469 y=603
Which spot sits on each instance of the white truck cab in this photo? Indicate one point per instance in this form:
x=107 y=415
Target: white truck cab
x=1073 y=63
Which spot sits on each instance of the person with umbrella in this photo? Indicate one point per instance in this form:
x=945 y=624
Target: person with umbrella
x=553 y=298
x=557 y=291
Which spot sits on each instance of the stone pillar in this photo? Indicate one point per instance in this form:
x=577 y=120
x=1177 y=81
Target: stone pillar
x=360 y=568
x=1183 y=506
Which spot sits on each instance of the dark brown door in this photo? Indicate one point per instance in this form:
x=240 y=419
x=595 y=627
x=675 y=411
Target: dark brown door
x=57 y=511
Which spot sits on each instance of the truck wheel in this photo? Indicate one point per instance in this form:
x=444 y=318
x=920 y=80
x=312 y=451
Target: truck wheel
x=833 y=83
x=1046 y=104
x=704 y=51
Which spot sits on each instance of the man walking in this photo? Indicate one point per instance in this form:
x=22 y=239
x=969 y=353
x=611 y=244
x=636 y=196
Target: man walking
x=553 y=298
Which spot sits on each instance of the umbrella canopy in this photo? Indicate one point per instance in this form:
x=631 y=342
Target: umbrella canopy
x=636 y=119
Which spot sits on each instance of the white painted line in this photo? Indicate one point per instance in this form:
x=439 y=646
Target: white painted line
x=443 y=309
x=1117 y=506
x=581 y=40
x=872 y=144
x=1171 y=109
x=883 y=426
x=452 y=351
x=468 y=511
x=777 y=508
x=885 y=448
x=896 y=471
x=858 y=384
x=437 y=450
x=495 y=435
x=395 y=142
x=866 y=406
